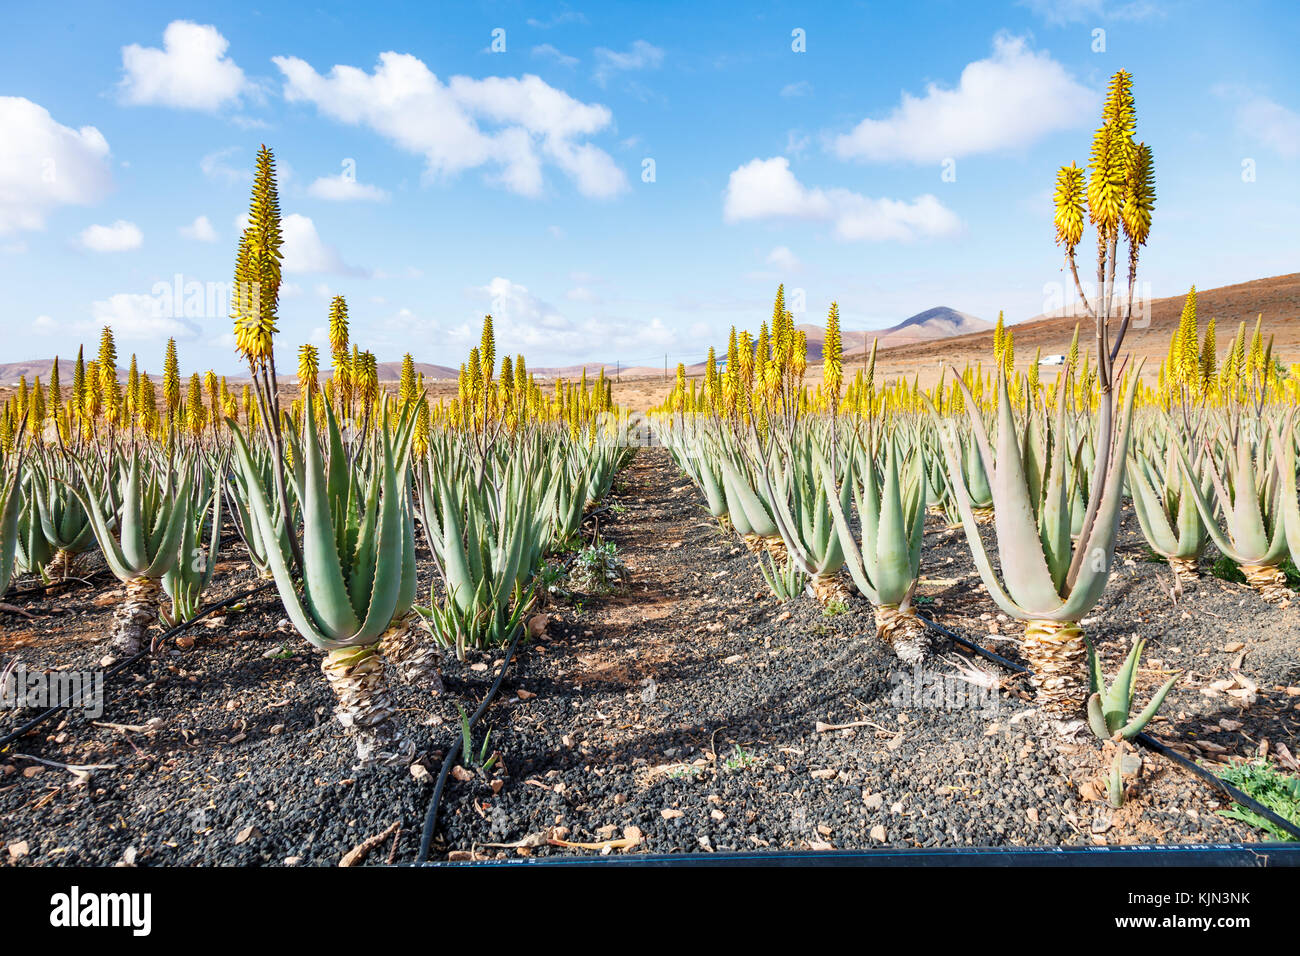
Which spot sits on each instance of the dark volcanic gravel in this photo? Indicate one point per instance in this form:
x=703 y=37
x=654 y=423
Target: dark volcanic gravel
x=686 y=706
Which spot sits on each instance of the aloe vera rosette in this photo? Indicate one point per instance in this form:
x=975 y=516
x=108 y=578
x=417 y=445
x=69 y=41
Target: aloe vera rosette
x=1045 y=581
x=887 y=565
x=354 y=556
x=187 y=579
x=64 y=521
x=1248 y=493
x=1109 y=710
x=1165 y=509
x=143 y=543
x=10 y=500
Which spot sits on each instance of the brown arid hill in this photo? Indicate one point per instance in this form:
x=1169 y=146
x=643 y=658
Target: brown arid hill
x=941 y=322
x=932 y=325
x=392 y=371
x=10 y=372
x=1276 y=298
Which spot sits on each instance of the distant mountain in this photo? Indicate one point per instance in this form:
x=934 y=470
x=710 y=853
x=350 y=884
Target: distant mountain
x=940 y=322
x=12 y=371
x=931 y=325
x=392 y=371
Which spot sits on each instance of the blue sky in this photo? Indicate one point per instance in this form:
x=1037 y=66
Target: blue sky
x=903 y=159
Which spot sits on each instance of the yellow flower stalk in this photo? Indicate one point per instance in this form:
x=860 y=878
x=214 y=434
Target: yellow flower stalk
x=308 y=369
x=1068 y=199
x=257 y=267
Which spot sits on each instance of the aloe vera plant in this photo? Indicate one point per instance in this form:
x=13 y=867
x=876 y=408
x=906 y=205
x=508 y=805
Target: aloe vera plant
x=1248 y=493
x=237 y=491
x=808 y=528
x=64 y=521
x=1109 y=710
x=10 y=503
x=486 y=547
x=140 y=537
x=33 y=552
x=1165 y=509
x=354 y=573
x=786 y=580
x=1290 y=500
x=187 y=579
x=1048 y=581
x=887 y=566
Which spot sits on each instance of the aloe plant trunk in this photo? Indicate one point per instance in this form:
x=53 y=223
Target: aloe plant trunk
x=1055 y=652
x=904 y=631
x=134 y=616
x=413 y=655
x=365 y=705
x=62 y=566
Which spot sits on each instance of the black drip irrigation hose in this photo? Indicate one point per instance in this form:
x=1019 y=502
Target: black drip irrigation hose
x=1146 y=740
x=431 y=816
x=1127 y=855
x=130 y=662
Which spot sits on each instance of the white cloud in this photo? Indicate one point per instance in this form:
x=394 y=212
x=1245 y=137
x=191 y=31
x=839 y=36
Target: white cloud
x=134 y=316
x=550 y=52
x=1007 y=101
x=1265 y=121
x=200 y=230
x=191 y=71
x=784 y=259
x=525 y=323
x=121 y=236
x=44 y=164
x=767 y=189
x=639 y=56
x=215 y=166
x=1060 y=12
x=406 y=103
x=343 y=188
x=305 y=251
x=802 y=88
x=564 y=16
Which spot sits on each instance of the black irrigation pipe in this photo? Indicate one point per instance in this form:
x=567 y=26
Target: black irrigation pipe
x=1145 y=739
x=431 y=816
x=1130 y=855
x=120 y=666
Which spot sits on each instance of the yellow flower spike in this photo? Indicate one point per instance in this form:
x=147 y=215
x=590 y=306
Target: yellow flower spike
x=1068 y=200
x=406 y=386
x=1139 y=195
x=308 y=369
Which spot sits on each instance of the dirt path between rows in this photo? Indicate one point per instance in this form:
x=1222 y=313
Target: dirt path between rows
x=684 y=711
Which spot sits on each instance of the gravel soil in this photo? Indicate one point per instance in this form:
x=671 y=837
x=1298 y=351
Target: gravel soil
x=686 y=712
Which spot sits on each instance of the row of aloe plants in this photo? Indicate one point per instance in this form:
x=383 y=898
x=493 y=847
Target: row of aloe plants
x=831 y=485
x=328 y=489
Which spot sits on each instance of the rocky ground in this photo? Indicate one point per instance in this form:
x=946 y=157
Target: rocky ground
x=687 y=712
